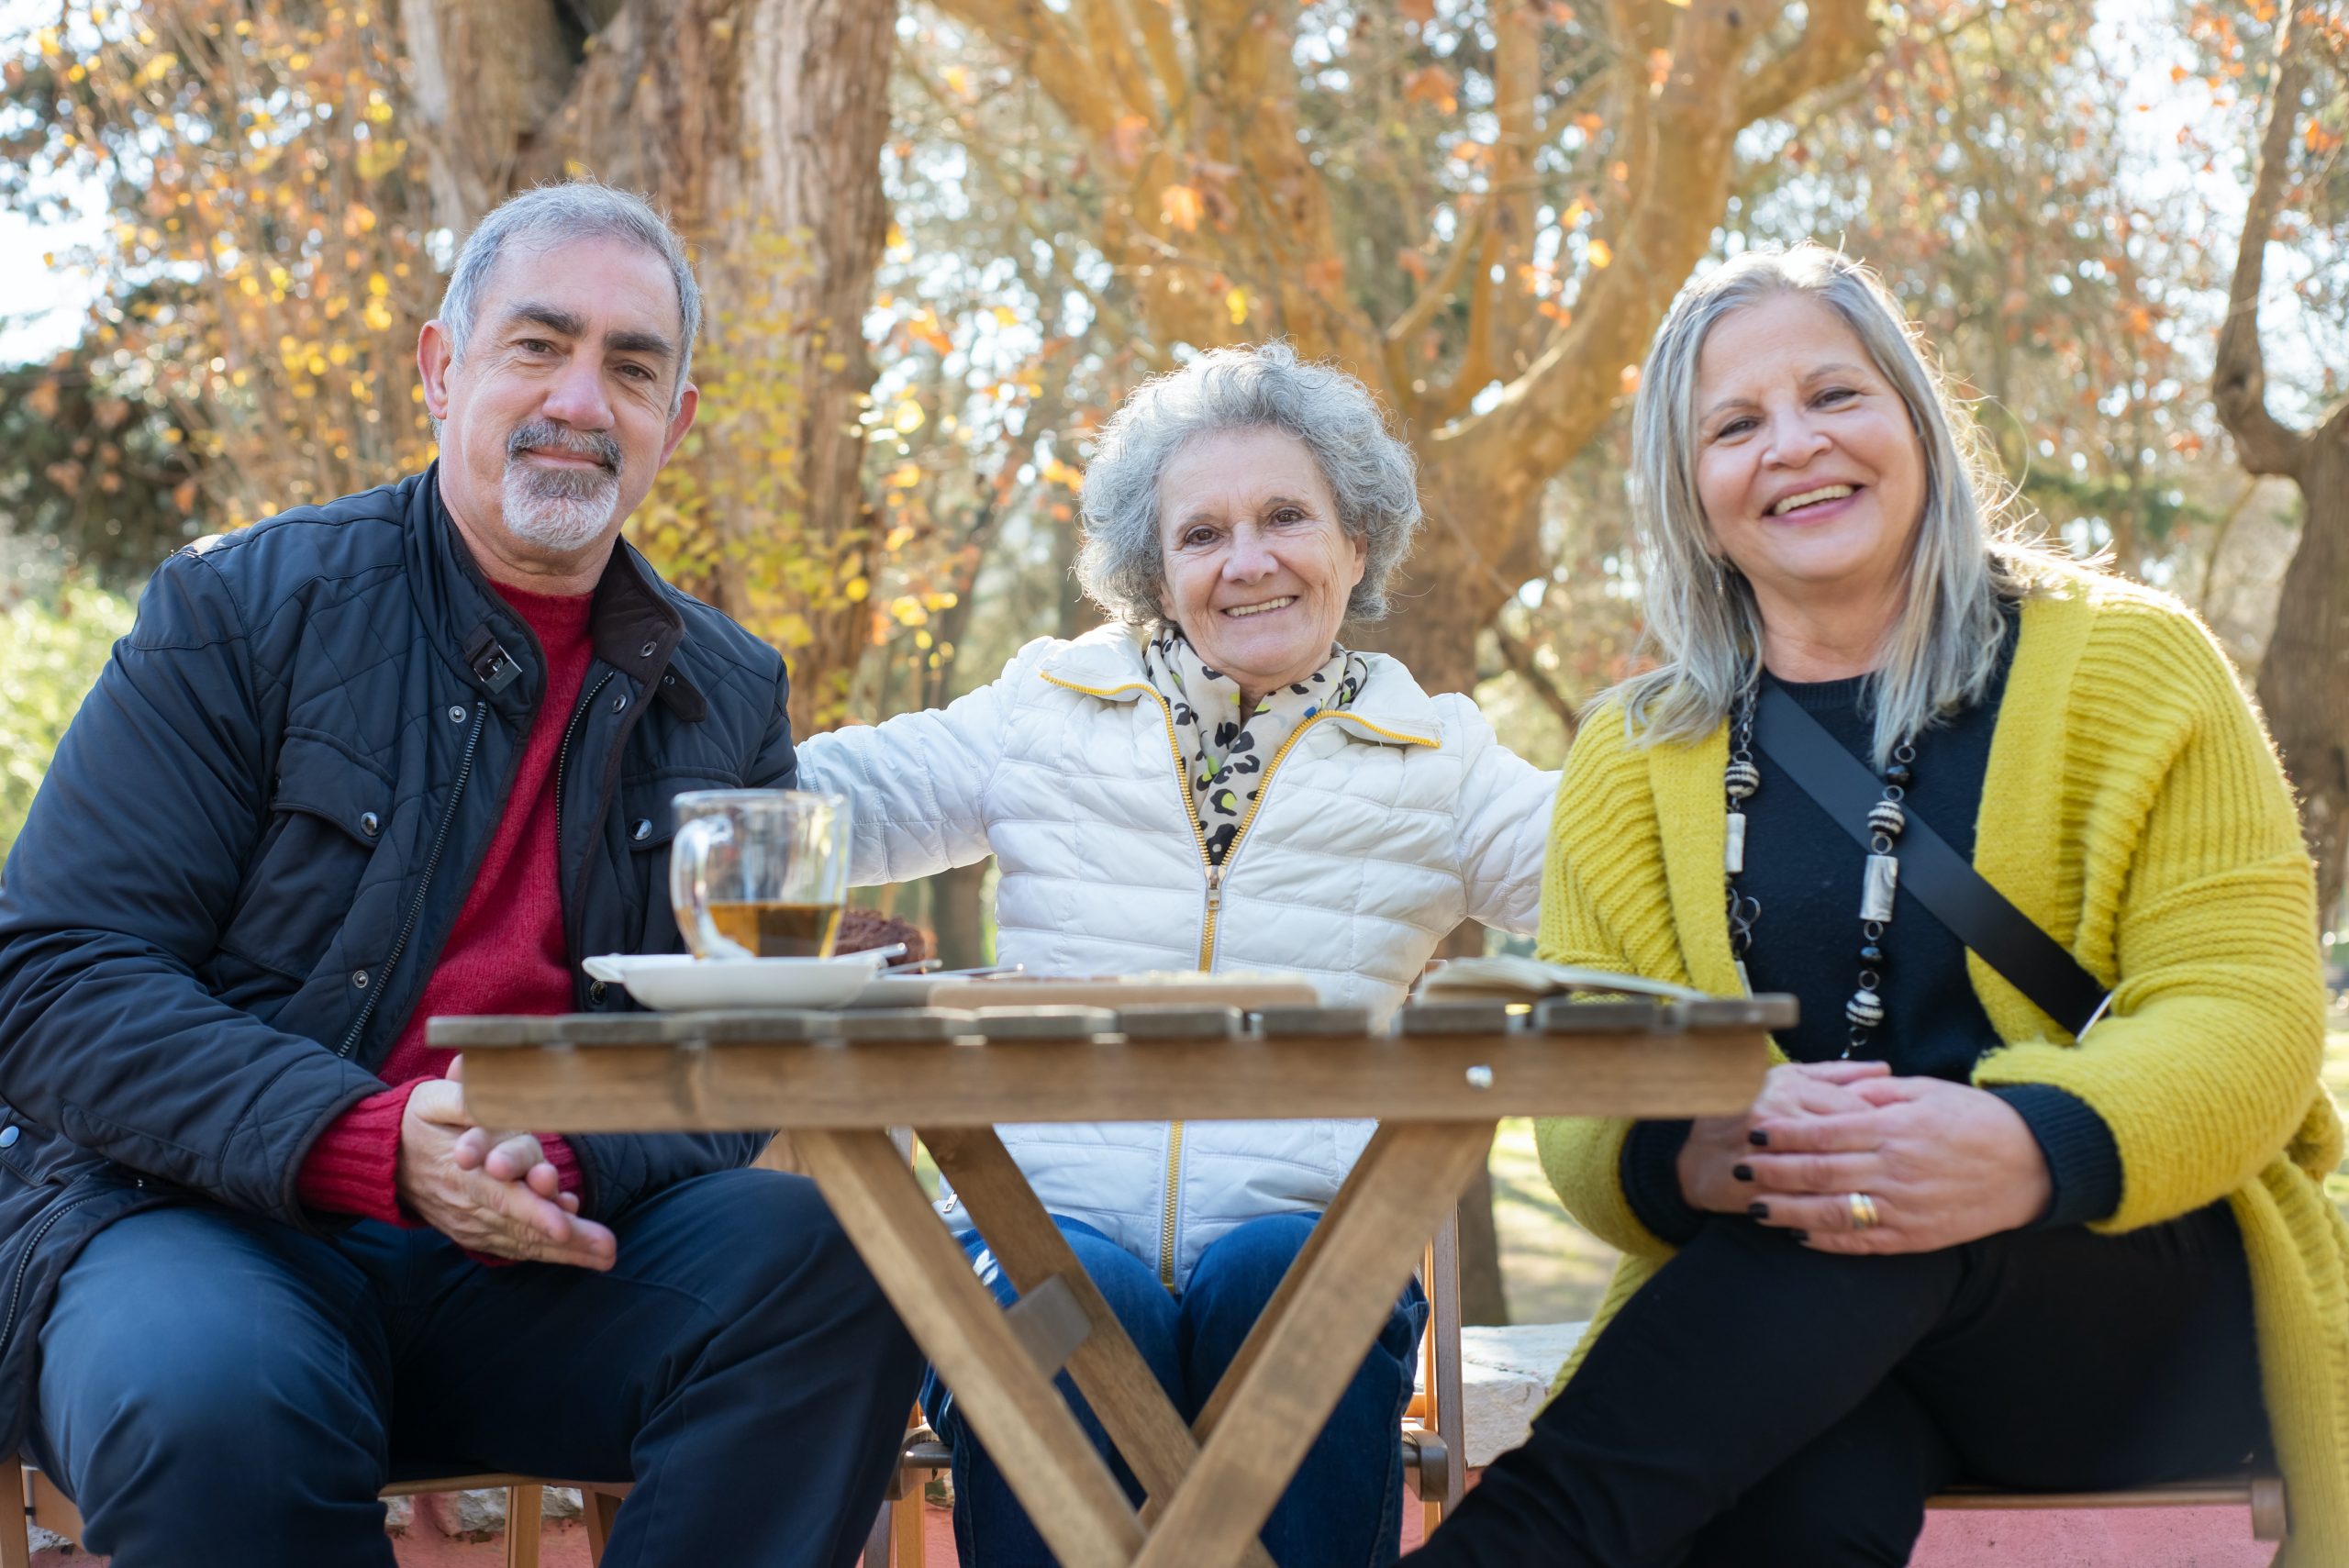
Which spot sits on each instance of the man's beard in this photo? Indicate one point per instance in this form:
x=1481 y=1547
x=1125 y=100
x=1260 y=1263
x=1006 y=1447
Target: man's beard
x=560 y=509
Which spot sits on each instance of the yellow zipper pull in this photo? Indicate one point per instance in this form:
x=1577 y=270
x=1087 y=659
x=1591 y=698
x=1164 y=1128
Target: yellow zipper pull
x=1214 y=887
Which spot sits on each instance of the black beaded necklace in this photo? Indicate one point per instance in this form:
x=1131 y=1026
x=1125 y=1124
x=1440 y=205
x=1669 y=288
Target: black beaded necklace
x=1740 y=780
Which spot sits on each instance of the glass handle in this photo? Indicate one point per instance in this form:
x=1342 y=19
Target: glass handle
x=689 y=886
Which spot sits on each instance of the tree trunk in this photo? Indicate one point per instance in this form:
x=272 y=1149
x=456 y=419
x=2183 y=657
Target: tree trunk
x=758 y=125
x=958 y=916
x=2304 y=674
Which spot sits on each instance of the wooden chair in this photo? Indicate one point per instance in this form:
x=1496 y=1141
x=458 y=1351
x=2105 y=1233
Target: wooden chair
x=47 y=1506
x=2261 y=1490
x=1433 y=1449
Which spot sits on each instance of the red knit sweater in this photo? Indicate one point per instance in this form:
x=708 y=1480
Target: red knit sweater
x=506 y=954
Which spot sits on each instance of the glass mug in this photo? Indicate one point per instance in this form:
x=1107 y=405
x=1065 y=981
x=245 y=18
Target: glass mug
x=760 y=872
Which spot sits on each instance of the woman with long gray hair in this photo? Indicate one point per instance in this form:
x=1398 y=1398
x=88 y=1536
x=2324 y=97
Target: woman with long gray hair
x=1955 y=1240
x=1214 y=781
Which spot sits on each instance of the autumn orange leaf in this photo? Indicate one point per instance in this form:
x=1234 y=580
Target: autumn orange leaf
x=1180 y=206
x=1433 y=85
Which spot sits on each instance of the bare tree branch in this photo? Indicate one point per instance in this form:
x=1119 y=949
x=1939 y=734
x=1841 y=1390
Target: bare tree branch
x=1836 y=42
x=1518 y=654
x=1052 y=55
x=2239 y=387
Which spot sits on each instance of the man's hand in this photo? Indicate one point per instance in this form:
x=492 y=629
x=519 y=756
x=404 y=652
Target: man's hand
x=490 y=1192
x=1946 y=1163
x=1718 y=1147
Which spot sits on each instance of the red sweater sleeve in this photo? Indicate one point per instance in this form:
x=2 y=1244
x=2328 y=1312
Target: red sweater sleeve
x=353 y=1168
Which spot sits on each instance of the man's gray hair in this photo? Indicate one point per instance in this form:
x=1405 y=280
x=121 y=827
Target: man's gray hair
x=557 y=214
x=1372 y=475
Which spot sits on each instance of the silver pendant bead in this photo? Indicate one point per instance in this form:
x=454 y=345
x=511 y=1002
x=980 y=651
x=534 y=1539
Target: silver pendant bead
x=1887 y=817
x=1875 y=893
x=1742 y=778
x=1866 y=1009
x=1734 y=846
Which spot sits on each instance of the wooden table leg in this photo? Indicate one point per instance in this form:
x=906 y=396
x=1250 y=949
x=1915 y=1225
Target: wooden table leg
x=1074 y=1502
x=1310 y=1341
x=1108 y=1370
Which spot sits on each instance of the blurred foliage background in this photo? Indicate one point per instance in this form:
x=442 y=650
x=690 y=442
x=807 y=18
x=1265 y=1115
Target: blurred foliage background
x=942 y=238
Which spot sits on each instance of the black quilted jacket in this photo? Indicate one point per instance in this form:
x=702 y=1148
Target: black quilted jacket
x=240 y=869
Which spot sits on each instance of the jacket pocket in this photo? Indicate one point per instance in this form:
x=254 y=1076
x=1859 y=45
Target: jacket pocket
x=326 y=815
x=649 y=823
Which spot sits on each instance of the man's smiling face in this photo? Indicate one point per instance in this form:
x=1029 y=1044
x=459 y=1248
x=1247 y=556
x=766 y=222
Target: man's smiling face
x=564 y=404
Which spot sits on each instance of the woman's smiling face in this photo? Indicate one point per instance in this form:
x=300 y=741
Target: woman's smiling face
x=1259 y=569
x=1809 y=472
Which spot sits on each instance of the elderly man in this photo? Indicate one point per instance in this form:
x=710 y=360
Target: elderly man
x=407 y=753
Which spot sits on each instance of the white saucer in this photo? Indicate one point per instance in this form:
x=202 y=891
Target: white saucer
x=672 y=980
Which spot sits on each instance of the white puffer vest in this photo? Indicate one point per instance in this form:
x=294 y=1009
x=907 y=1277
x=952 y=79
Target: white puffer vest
x=1377 y=831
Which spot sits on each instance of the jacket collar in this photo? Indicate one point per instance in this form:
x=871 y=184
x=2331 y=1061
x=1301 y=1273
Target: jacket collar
x=631 y=626
x=1390 y=709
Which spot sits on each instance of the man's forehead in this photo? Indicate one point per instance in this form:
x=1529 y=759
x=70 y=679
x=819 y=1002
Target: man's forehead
x=607 y=285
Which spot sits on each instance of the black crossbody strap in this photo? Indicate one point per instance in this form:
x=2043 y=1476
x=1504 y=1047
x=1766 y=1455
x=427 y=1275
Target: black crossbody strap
x=1976 y=913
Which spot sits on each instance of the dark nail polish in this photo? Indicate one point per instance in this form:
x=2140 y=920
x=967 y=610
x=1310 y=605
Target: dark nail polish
x=1759 y=1139
x=1759 y=1210
x=1799 y=1235
x=1743 y=1173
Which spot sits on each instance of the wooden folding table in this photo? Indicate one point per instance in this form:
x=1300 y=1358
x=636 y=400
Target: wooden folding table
x=1436 y=1078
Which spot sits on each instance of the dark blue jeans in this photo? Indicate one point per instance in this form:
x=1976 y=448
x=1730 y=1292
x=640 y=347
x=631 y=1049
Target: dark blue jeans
x=211 y=1380
x=1344 y=1509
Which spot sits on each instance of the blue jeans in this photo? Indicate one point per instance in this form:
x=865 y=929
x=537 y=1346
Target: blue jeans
x=1344 y=1509
x=212 y=1381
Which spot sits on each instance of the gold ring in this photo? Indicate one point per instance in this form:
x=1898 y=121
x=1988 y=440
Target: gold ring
x=1862 y=1207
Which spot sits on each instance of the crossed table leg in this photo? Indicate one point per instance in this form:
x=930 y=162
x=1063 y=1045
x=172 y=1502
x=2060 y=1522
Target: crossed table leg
x=1210 y=1488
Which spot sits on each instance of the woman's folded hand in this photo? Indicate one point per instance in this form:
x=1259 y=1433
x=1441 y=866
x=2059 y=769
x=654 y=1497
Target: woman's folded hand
x=1939 y=1164
x=1720 y=1147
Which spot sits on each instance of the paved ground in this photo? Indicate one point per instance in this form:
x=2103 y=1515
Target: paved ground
x=2183 y=1537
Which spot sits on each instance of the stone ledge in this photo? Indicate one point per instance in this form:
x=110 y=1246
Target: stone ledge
x=1505 y=1374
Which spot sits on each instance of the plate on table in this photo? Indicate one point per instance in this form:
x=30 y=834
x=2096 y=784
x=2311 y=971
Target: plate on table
x=676 y=980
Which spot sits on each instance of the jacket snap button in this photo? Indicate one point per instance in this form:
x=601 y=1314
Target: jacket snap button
x=8 y=1136
x=618 y=703
x=643 y=830
x=370 y=824
x=646 y=652
x=359 y=978
x=456 y=715
x=595 y=993
x=668 y=680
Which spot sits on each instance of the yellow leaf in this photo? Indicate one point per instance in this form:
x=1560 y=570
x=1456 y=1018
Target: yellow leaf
x=958 y=80
x=1236 y=302
x=858 y=587
x=378 y=284
x=1602 y=255
x=1180 y=206
x=1006 y=316
x=907 y=418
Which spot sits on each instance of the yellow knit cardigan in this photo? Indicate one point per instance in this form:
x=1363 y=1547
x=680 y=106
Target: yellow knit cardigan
x=2133 y=807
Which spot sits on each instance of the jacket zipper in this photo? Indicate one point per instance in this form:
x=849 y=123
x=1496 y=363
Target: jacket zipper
x=561 y=767
x=423 y=886
x=25 y=1263
x=1214 y=904
x=1214 y=899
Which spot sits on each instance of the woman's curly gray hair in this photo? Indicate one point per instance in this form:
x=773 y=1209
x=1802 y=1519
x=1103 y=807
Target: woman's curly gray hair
x=1372 y=474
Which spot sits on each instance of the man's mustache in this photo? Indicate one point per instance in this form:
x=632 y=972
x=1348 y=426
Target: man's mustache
x=546 y=435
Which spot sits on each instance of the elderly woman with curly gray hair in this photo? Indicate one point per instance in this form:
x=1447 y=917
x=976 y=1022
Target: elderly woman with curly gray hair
x=1215 y=780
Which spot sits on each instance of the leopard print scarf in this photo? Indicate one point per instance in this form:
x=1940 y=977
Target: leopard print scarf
x=1225 y=751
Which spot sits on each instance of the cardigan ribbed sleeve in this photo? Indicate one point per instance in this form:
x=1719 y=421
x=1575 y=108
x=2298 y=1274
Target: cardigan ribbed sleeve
x=1604 y=784
x=2191 y=885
